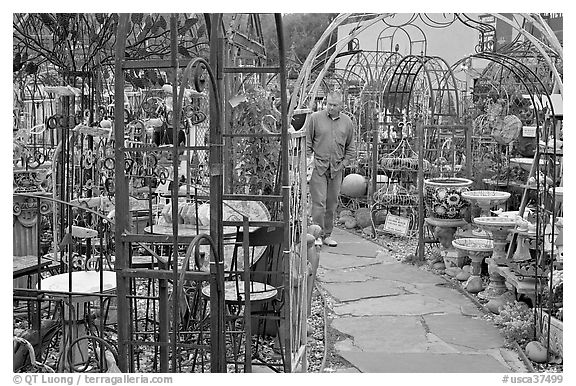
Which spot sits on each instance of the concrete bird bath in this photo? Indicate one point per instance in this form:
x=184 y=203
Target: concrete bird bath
x=477 y=249
x=499 y=227
x=486 y=199
x=525 y=163
x=559 y=191
x=560 y=239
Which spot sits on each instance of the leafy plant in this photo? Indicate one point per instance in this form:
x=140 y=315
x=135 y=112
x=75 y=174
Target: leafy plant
x=556 y=300
x=517 y=322
x=257 y=162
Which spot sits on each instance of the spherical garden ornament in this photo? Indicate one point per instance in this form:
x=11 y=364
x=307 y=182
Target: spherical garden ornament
x=167 y=88
x=354 y=185
x=105 y=123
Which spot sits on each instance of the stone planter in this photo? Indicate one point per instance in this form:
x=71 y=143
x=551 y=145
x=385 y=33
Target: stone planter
x=443 y=197
x=556 y=332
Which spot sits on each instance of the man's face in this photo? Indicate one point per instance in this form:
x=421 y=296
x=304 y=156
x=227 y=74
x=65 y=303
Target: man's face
x=333 y=106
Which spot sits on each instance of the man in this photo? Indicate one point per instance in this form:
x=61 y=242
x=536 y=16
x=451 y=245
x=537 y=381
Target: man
x=330 y=140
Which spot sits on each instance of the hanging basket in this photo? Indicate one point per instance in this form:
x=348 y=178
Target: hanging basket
x=399 y=164
x=397 y=198
x=402 y=158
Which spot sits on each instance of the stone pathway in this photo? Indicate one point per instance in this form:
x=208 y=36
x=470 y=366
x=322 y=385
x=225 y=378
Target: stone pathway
x=397 y=318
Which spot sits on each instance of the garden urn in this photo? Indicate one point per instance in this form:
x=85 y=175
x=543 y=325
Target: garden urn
x=443 y=198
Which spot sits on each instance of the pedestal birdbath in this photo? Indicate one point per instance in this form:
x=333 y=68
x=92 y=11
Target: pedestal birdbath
x=559 y=191
x=498 y=227
x=525 y=163
x=477 y=249
x=486 y=199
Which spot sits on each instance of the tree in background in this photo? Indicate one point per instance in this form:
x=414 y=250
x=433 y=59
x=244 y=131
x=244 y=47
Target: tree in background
x=301 y=31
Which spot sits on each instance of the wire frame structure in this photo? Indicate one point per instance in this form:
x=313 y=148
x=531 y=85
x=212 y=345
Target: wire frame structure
x=209 y=312
x=546 y=171
x=214 y=294
x=431 y=95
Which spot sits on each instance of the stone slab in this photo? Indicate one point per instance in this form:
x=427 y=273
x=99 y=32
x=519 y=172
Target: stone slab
x=513 y=360
x=335 y=261
x=262 y=369
x=438 y=346
x=340 y=276
x=345 y=345
x=355 y=248
x=378 y=362
x=465 y=333
x=347 y=370
x=382 y=333
x=346 y=292
x=402 y=272
x=470 y=311
x=402 y=305
x=442 y=292
x=378 y=256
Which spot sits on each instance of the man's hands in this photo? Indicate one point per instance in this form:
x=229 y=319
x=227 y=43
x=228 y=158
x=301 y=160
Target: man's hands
x=309 y=167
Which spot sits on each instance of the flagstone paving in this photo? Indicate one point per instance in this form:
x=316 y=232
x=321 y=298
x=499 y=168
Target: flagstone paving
x=398 y=318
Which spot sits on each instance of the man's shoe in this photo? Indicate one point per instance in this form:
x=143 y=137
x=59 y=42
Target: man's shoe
x=330 y=242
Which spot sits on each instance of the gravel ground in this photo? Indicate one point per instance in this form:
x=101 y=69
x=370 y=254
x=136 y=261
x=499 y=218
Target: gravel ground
x=316 y=338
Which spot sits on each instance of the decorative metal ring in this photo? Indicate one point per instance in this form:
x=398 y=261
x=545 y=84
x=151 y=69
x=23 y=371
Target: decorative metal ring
x=162 y=177
x=109 y=163
x=92 y=264
x=110 y=186
x=40 y=157
x=128 y=164
x=45 y=207
x=78 y=262
x=169 y=118
x=88 y=159
x=16 y=209
x=198 y=117
x=137 y=128
x=52 y=122
x=38 y=129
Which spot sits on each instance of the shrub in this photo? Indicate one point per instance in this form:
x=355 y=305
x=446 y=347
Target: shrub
x=517 y=322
